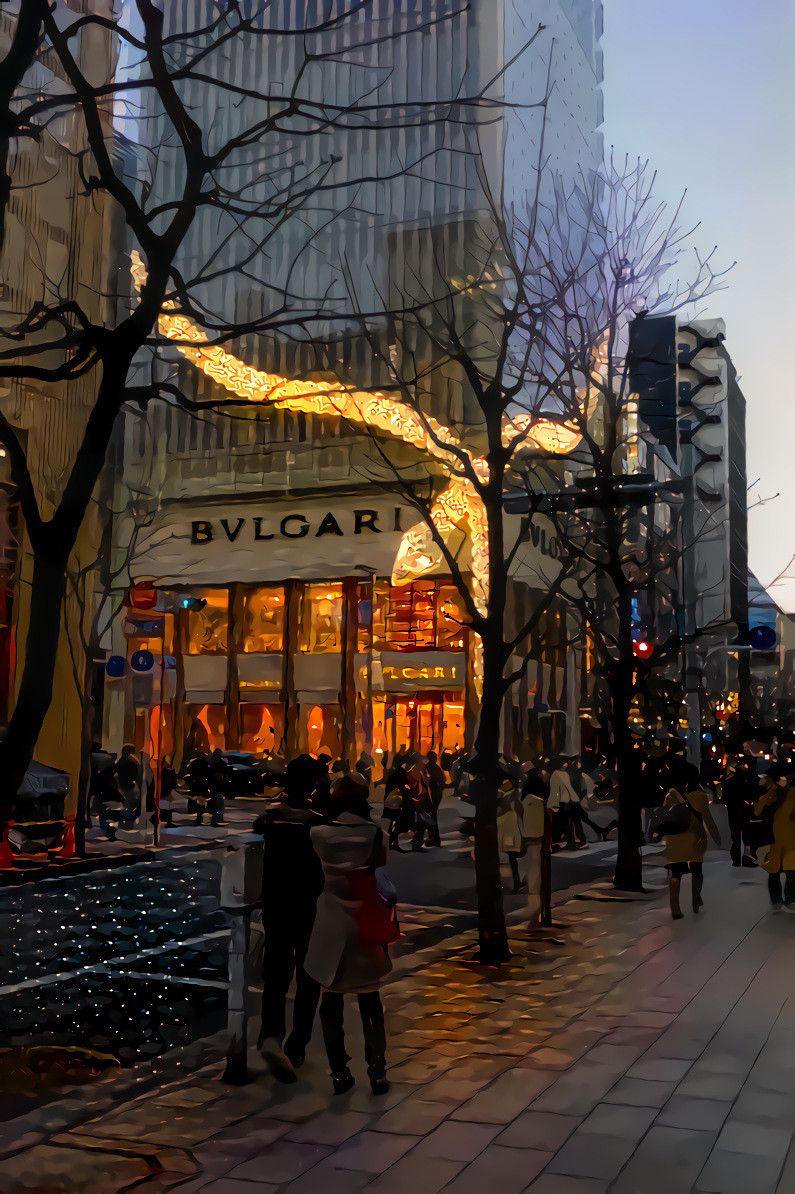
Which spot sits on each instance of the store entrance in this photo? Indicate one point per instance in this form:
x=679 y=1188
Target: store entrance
x=424 y=722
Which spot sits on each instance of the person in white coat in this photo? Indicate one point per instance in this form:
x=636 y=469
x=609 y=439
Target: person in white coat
x=348 y=950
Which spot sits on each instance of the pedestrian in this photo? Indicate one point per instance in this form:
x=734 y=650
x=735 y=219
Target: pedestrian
x=129 y=775
x=398 y=806
x=436 y=782
x=108 y=798
x=364 y=766
x=583 y=788
x=509 y=827
x=292 y=879
x=218 y=783
x=780 y=796
x=422 y=816
x=683 y=822
x=348 y=951
x=564 y=805
x=740 y=792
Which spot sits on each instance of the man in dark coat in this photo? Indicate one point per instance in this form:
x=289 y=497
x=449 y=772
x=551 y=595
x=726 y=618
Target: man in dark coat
x=292 y=879
x=437 y=781
x=740 y=792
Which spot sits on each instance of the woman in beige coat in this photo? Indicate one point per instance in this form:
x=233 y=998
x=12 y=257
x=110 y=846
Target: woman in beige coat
x=340 y=956
x=780 y=794
x=684 y=852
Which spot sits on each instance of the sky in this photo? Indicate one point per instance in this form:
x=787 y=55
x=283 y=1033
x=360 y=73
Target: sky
x=705 y=89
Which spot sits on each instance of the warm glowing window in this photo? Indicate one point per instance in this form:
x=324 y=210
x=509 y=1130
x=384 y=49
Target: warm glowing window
x=261 y=728
x=451 y=619
x=209 y=728
x=418 y=617
x=322 y=619
x=364 y=600
x=208 y=621
x=263 y=620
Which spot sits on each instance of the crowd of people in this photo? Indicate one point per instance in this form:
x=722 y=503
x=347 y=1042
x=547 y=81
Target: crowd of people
x=123 y=790
x=328 y=907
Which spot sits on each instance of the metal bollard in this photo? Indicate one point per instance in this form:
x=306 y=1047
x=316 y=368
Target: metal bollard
x=241 y=888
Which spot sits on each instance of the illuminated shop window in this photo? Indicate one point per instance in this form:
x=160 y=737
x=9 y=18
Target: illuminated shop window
x=319 y=730
x=208 y=728
x=161 y=732
x=450 y=619
x=263 y=620
x=453 y=726
x=321 y=619
x=208 y=621
x=418 y=617
x=364 y=601
x=261 y=729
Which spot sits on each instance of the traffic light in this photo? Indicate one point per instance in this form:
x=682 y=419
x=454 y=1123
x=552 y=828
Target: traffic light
x=643 y=649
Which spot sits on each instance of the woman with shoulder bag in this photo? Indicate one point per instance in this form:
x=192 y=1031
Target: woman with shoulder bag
x=354 y=925
x=683 y=822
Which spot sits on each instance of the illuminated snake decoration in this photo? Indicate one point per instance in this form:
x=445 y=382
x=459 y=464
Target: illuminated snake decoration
x=457 y=508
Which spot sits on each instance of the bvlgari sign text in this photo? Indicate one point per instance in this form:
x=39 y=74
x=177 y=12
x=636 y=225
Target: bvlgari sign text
x=261 y=529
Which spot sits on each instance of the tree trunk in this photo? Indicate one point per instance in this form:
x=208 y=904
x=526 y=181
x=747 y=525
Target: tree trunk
x=492 y=931
x=48 y=586
x=629 y=868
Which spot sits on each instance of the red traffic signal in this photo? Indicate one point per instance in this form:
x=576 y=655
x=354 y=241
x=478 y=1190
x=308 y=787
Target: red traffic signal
x=142 y=596
x=643 y=650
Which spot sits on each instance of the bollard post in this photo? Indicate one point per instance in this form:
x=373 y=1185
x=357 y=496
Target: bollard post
x=546 y=873
x=241 y=887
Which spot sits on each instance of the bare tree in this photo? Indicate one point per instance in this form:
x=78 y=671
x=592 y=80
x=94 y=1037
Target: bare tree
x=237 y=184
x=611 y=253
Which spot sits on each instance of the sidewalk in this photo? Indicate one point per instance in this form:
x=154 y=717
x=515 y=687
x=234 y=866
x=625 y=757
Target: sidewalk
x=627 y=1053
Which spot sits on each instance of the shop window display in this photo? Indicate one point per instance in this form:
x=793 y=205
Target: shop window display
x=263 y=621
x=423 y=616
x=208 y=622
x=322 y=620
x=208 y=729
x=320 y=730
x=261 y=729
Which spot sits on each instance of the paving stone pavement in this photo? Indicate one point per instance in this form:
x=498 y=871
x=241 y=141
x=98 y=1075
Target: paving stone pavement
x=620 y=1053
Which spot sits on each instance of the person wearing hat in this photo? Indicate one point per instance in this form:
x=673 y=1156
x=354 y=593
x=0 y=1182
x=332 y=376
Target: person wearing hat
x=292 y=880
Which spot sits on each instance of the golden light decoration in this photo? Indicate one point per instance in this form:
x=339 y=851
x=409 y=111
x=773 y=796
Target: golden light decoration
x=456 y=509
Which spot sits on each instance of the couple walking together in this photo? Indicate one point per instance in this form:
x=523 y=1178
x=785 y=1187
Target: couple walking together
x=325 y=922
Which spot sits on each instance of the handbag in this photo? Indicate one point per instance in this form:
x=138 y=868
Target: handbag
x=376 y=918
x=671 y=821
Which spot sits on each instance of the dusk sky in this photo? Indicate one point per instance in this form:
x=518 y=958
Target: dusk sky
x=706 y=90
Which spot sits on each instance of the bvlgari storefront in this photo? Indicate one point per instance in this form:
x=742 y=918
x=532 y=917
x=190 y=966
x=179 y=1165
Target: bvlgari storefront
x=277 y=629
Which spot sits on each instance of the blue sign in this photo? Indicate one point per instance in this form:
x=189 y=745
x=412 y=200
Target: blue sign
x=763 y=638
x=115 y=666
x=142 y=661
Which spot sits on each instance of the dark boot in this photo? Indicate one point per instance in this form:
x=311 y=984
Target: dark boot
x=376 y=1072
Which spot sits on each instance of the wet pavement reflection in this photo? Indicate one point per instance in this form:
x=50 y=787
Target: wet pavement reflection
x=130 y=963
